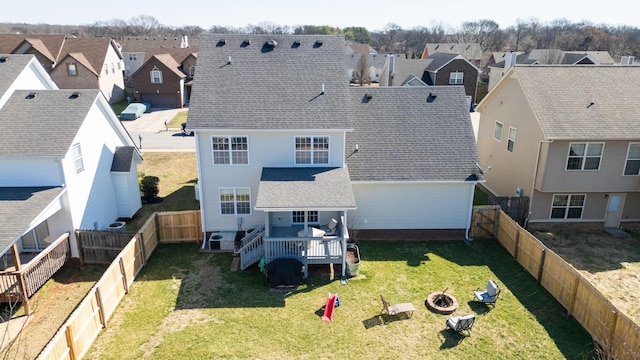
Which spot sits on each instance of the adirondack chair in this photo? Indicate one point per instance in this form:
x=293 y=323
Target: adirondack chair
x=397 y=309
x=461 y=323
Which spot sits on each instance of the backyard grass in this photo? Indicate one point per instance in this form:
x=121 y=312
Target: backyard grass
x=178 y=175
x=189 y=304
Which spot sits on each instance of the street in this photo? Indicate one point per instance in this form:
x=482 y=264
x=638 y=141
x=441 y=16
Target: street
x=150 y=134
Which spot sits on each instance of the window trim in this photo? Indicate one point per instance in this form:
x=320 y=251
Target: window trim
x=627 y=159
x=511 y=143
x=71 y=72
x=230 y=151
x=495 y=125
x=568 y=206
x=584 y=156
x=312 y=150
x=156 y=71
x=76 y=156
x=456 y=76
x=235 y=201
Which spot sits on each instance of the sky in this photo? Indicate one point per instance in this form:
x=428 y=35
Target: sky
x=373 y=14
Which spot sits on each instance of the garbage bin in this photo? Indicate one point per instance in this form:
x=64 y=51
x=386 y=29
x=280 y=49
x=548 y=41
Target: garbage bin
x=353 y=260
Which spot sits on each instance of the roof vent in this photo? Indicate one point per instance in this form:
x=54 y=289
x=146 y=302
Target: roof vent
x=431 y=98
x=74 y=95
x=31 y=95
x=296 y=44
x=245 y=43
x=317 y=44
x=3 y=59
x=272 y=43
x=221 y=42
x=367 y=98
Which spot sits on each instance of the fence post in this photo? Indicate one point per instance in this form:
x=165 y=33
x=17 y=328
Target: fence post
x=574 y=294
x=125 y=282
x=22 y=285
x=541 y=269
x=144 y=249
x=496 y=221
x=612 y=332
x=157 y=225
x=517 y=246
x=103 y=319
x=71 y=343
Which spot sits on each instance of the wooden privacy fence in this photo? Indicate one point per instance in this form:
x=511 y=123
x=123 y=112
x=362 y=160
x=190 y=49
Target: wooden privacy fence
x=76 y=335
x=615 y=332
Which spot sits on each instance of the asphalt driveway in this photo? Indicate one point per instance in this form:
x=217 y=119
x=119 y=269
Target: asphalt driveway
x=150 y=133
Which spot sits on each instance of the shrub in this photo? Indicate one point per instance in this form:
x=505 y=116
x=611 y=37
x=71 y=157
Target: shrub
x=149 y=188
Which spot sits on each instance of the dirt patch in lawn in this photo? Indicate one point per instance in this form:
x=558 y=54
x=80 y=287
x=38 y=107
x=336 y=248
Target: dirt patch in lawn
x=610 y=263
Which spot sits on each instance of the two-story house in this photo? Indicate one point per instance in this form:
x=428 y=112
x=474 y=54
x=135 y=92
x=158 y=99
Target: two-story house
x=568 y=138
x=165 y=78
x=286 y=150
x=74 y=63
x=66 y=161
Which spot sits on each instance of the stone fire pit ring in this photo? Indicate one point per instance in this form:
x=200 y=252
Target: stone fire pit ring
x=441 y=303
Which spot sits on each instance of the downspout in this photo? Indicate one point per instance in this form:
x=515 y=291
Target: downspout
x=470 y=216
x=535 y=176
x=201 y=193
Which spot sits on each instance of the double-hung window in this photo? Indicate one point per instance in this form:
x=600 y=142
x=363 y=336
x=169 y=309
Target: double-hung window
x=73 y=71
x=566 y=206
x=456 y=78
x=584 y=156
x=632 y=166
x=231 y=150
x=156 y=76
x=77 y=158
x=312 y=150
x=497 y=130
x=298 y=217
x=511 y=141
x=235 y=201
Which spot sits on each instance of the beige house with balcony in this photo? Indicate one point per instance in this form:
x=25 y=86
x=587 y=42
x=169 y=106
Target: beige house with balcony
x=568 y=137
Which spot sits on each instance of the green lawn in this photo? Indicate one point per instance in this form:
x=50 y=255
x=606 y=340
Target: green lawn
x=189 y=305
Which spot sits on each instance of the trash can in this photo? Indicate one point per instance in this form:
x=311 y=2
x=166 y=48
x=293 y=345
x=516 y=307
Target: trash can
x=353 y=260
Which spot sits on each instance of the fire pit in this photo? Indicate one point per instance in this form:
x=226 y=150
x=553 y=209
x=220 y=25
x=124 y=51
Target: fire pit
x=441 y=303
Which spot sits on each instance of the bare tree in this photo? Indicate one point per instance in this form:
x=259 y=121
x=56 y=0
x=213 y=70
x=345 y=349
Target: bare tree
x=362 y=71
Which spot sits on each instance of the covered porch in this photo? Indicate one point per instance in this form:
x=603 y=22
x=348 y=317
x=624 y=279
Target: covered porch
x=305 y=216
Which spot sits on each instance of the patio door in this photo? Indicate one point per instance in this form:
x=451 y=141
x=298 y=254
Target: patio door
x=614 y=210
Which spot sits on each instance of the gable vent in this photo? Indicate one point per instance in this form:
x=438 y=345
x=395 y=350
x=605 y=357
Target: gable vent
x=74 y=95
x=31 y=95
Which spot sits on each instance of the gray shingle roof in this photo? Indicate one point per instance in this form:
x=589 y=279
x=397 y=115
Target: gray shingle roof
x=560 y=95
x=18 y=207
x=401 y=136
x=44 y=125
x=10 y=68
x=265 y=87
x=305 y=188
x=122 y=158
x=406 y=69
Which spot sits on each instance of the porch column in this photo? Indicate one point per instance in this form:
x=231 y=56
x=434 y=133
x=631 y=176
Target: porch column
x=16 y=256
x=344 y=243
x=267 y=228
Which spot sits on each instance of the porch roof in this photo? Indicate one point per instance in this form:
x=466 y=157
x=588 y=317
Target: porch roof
x=306 y=188
x=18 y=207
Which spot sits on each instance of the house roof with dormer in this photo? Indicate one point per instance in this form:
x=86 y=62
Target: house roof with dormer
x=269 y=81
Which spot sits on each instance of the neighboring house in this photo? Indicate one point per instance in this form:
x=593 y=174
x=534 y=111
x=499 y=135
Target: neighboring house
x=437 y=69
x=497 y=69
x=360 y=49
x=134 y=48
x=74 y=63
x=375 y=61
x=82 y=177
x=568 y=138
x=470 y=51
x=20 y=72
x=284 y=145
x=166 y=77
